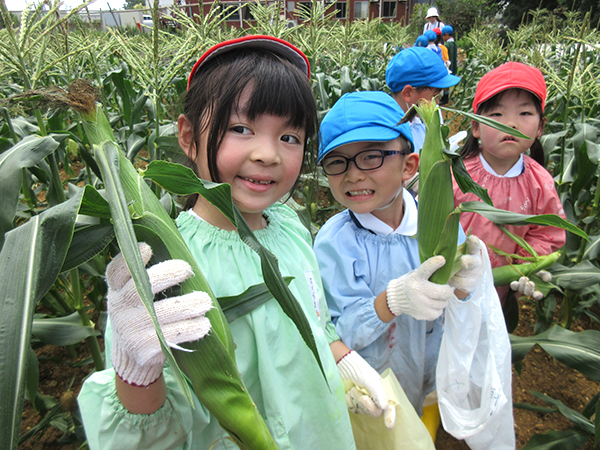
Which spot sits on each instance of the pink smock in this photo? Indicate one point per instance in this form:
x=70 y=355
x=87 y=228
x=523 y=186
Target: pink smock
x=531 y=192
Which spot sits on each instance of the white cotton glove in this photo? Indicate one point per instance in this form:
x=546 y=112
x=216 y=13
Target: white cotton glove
x=527 y=287
x=136 y=354
x=354 y=368
x=415 y=295
x=471 y=267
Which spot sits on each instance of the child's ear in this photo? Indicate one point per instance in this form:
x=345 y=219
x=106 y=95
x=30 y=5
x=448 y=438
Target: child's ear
x=475 y=129
x=411 y=165
x=406 y=94
x=186 y=136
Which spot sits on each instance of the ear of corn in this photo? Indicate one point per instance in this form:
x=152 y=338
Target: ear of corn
x=211 y=366
x=511 y=272
x=437 y=222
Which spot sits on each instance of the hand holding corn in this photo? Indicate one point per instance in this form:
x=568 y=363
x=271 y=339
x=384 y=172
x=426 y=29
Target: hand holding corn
x=415 y=295
x=471 y=267
x=136 y=354
x=354 y=368
x=527 y=287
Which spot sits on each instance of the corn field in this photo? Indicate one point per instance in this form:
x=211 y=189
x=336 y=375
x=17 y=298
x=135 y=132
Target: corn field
x=60 y=223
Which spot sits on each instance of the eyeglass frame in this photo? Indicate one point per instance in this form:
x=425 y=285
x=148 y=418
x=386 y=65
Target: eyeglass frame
x=384 y=153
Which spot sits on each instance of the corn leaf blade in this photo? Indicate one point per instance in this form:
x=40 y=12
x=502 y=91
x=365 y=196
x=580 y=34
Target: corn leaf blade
x=502 y=216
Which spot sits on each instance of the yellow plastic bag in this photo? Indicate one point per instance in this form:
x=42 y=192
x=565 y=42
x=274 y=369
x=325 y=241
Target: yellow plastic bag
x=409 y=433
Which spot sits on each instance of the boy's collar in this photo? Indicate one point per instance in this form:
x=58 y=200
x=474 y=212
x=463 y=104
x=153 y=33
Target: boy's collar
x=407 y=227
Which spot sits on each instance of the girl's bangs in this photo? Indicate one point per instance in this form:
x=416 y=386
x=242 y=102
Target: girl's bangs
x=281 y=90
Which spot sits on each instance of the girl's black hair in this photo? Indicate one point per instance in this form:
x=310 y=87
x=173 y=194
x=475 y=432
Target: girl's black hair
x=279 y=88
x=472 y=147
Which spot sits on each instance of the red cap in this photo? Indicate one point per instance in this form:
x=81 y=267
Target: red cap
x=437 y=31
x=508 y=76
x=270 y=43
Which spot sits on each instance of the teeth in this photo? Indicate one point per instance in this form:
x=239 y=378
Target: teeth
x=257 y=181
x=363 y=192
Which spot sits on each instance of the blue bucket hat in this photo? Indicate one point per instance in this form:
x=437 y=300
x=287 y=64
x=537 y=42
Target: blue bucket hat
x=447 y=30
x=418 y=67
x=422 y=41
x=430 y=35
x=359 y=117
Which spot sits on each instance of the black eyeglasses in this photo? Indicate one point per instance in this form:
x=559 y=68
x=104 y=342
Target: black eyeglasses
x=365 y=160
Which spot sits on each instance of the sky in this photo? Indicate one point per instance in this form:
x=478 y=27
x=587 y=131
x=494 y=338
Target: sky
x=18 y=5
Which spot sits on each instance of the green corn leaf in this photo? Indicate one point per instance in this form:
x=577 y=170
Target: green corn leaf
x=558 y=440
x=490 y=123
x=236 y=306
x=30 y=262
x=502 y=216
x=182 y=180
x=579 y=351
x=464 y=180
x=577 y=418
x=26 y=153
x=61 y=331
x=519 y=240
x=88 y=241
x=576 y=277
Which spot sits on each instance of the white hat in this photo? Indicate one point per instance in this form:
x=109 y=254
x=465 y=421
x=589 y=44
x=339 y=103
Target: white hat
x=432 y=12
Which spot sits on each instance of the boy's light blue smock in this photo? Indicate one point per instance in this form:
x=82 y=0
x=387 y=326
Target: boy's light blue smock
x=356 y=266
x=277 y=367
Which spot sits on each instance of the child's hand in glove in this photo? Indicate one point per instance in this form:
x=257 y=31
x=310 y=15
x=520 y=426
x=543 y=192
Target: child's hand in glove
x=471 y=267
x=527 y=287
x=136 y=354
x=354 y=368
x=415 y=295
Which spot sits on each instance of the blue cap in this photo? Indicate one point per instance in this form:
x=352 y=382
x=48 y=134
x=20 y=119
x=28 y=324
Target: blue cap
x=419 y=67
x=447 y=29
x=422 y=41
x=362 y=117
x=430 y=35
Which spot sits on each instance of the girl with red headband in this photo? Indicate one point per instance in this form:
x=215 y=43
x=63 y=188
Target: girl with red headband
x=248 y=114
x=515 y=95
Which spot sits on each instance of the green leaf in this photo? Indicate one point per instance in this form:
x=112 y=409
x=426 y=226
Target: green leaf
x=535 y=408
x=182 y=180
x=490 y=123
x=558 y=440
x=520 y=241
x=502 y=216
x=26 y=153
x=579 y=351
x=88 y=241
x=464 y=180
x=236 y=306
x=61 y=331
x=30 y=262
x=577 y=418
x=576 y=277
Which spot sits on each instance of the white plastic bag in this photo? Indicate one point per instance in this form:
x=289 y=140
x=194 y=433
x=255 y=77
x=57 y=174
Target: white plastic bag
x=474 y=374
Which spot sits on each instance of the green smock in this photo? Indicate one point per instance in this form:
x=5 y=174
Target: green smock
x=279 y=370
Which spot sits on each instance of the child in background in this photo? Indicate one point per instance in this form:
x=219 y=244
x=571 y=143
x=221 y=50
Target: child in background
x=439 y=41
x=248 y=114
x=431 y=38
x=515 y=95
x=414 y=74
x=421 y=41
x=379 y=294
x=448 y=37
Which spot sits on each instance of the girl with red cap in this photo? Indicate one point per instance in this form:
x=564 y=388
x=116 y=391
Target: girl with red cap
x=515 y=95
x=248 y=114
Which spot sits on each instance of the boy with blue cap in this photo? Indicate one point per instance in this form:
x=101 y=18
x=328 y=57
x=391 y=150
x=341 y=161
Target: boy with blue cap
x=378 y=292
x=448 y=37
x=413 y=74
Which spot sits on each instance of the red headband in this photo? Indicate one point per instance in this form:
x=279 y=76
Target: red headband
x=270 y=43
